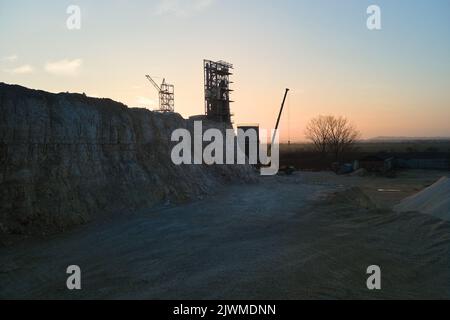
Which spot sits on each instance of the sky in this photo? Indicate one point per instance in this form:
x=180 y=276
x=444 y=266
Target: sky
x=389 y=82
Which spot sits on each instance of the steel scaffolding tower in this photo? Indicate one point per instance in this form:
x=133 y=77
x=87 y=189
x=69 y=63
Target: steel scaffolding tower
x=217 y=91
x=166 y=95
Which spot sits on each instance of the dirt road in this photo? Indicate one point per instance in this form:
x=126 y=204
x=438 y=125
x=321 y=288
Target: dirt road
x=309 y=236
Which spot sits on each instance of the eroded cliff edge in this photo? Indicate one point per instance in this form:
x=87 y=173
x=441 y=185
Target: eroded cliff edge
x=66 y=159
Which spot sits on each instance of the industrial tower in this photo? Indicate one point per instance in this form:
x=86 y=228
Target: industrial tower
x=217 y=90
x=166 y=95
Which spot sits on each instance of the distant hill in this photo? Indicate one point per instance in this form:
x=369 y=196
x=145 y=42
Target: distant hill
x=406 y=139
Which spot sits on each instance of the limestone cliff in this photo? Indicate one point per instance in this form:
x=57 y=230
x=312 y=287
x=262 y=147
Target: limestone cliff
x=67 y=158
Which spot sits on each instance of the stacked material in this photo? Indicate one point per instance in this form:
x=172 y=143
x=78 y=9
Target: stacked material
x=434 y=200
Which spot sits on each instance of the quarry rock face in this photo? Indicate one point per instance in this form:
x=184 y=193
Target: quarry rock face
x=66 y=159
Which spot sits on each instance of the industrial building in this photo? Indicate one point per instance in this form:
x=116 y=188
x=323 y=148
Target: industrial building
x=217 y=90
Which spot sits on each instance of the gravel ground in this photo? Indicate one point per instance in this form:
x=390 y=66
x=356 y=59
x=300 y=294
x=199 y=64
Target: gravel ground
x=308 y=236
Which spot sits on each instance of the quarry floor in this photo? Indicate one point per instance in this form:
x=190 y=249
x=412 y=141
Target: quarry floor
x=306 y=236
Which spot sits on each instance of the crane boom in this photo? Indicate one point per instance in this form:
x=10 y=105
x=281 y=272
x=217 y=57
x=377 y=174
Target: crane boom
x=154 y=83
x=166 y=95
x=279 y=116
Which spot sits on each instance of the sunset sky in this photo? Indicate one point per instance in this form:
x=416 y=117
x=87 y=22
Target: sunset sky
x=390 y=82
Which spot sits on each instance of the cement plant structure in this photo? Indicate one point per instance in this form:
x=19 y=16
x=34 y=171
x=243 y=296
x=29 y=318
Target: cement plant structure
x=217 y=90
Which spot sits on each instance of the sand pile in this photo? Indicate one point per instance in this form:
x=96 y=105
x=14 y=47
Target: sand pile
x=354 y=196
x=434 y=200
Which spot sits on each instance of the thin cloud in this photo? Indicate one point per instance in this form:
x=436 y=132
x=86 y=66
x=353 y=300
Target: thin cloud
x=25 y=69
x=93 y=95
x=64 y=67
x=10 y=58
x=182 y=8
x=145 y=102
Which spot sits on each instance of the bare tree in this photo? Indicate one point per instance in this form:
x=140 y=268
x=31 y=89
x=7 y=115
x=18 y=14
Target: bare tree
x=343 y=136
x=330 y=134
x=317 y=131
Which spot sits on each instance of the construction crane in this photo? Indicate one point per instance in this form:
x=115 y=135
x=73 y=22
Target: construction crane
x=166 y=94
x=287 y=169
x=279 y=115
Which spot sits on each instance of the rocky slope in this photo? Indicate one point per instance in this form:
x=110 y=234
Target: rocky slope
x=67 y=158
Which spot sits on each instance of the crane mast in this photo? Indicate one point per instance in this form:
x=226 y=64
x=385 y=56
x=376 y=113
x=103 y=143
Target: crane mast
x=166 y=94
